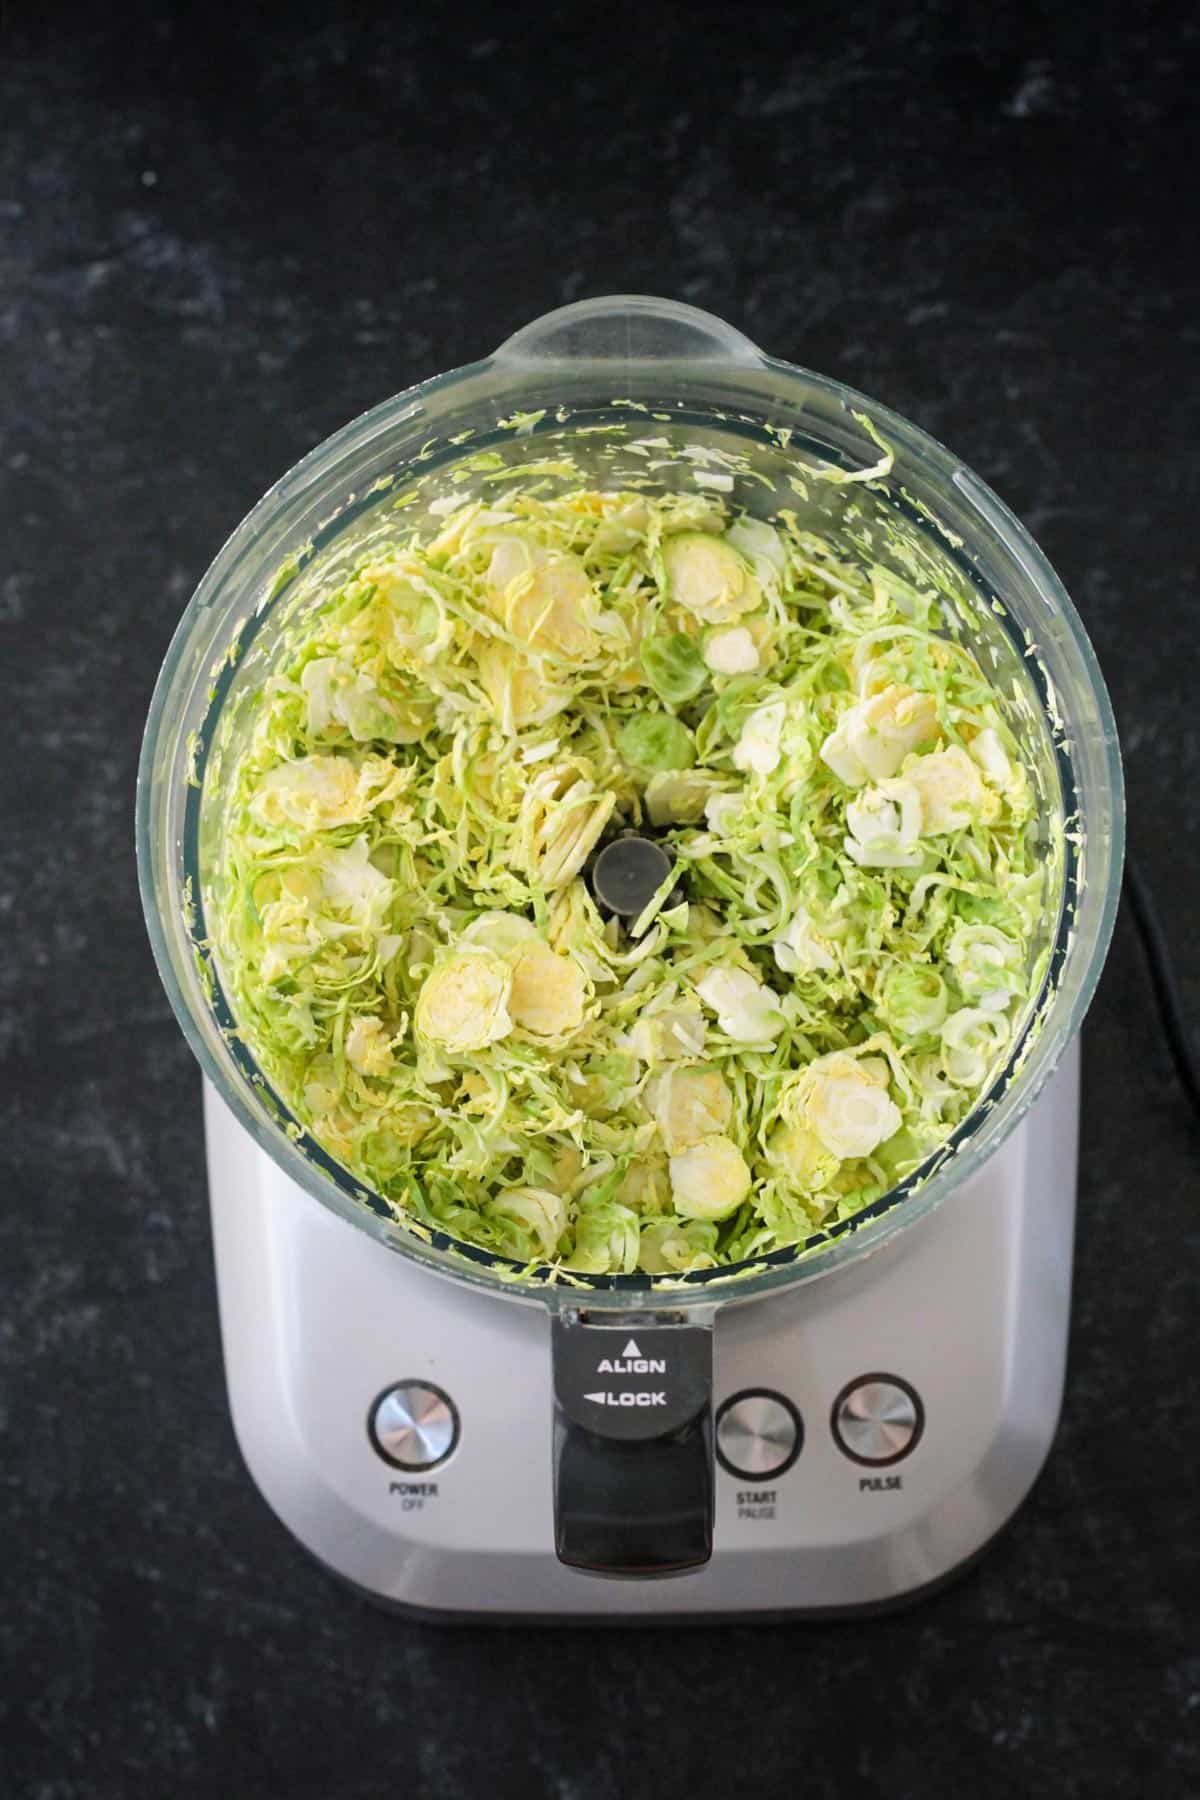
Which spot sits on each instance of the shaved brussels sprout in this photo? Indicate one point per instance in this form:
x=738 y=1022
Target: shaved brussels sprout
x=673 y=666
x=463 y=1004
x=951 y=791
x=732 y=651
x=547 y=993
x=709 y=1180
x=691 y=1104
x=913 y=999
x=530 y=1220
x=656 y=743
x=709 y=577
x=872 y=739
x=746 y=1009
x=836 y=972
x=844 y=1101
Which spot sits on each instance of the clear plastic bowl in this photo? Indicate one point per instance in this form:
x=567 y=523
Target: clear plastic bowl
x=646 y=366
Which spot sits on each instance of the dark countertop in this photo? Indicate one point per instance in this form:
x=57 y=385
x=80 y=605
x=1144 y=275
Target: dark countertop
x=212 y=252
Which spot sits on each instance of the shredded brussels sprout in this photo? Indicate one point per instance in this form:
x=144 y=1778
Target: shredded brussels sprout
x=408 y=939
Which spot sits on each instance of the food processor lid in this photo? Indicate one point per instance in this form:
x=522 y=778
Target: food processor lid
x=683 y=367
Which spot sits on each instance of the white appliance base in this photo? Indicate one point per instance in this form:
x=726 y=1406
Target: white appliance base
x=969 y=1306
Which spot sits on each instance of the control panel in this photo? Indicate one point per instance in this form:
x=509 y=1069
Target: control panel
x=876 y=1419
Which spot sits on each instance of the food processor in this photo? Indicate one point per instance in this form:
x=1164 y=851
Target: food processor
x=837 y=1426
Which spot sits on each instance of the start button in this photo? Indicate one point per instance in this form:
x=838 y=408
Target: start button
x=759 y=1435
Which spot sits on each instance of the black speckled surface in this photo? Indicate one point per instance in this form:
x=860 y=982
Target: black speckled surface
x=213 y=250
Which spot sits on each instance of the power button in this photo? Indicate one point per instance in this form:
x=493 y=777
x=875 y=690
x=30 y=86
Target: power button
x=413 y=1425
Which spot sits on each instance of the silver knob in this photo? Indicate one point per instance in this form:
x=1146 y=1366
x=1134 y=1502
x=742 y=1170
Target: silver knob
x=759 y=1434
x=877 y=1419
x=414 y=1425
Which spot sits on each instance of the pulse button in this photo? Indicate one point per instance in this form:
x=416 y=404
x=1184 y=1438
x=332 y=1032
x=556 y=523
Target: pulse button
x=877 y=1419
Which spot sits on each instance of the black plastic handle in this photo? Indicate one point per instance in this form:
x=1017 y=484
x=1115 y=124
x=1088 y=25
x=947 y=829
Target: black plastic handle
x=633 y=1445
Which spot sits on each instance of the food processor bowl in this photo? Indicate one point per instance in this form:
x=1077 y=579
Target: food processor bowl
x=626 y=383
